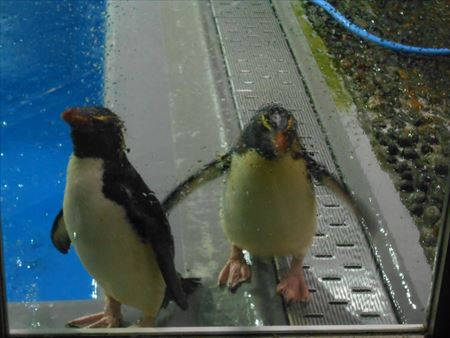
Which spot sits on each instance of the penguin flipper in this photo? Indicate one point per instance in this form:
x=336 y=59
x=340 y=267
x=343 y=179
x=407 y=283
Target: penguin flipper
x=149 y=221
x=321 y=174
x=164 y=256
x=208 y=173
x=153 y=229
x=59 y=235
x=189 y=285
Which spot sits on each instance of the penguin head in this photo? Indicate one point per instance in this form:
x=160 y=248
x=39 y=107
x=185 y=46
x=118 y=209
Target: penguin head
x=271 y=132
x=96 y=132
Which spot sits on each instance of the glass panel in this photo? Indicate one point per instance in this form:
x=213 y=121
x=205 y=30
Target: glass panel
x=354 y=206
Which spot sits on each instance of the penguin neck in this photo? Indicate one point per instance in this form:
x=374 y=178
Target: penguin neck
x=111 y=165
x=108 y=156
x=106 y=146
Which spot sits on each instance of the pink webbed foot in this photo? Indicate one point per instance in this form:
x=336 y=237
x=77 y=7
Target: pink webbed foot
x=97 y=320
x=111 y=317
x=293 y=287
x=235 y=271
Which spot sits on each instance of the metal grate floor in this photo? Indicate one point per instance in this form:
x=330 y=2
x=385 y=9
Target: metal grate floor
x=342 y=274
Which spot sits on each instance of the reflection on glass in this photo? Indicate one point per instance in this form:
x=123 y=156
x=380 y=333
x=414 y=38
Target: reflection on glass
x=347 y=175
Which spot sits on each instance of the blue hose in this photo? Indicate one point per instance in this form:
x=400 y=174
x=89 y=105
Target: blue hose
x=365 y=35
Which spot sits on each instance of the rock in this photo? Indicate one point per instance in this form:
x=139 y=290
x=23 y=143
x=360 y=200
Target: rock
x=406 y=175
x=427 y=132
x=427 y=237
x=444 y=141
x=419 y=163
x=374 y=102
x=420 y=121
x=392 y=148
x=392 y=159
x=430 y=253
x=402 y=166
x=346 y=63
x=422 y=181
x=426 y=148
x=379 y=123
x=437 y=227
x=409 y=153
x=418 y=197
x=446 y=149
x=398 y=123
x=437 y=192
x=430 y=136
x=414 y=103
x=429 y=159
x=392 y=133
x=431 y=215
x=416 y=209
x=406 y=186
x=387 y=113
x=381 y=80
x=443 y=131
x=382 y=138
x=408 y=137
x=441 y=165
x=438 y=162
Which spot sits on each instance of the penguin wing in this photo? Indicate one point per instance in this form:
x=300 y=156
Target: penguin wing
x=207 y=173
x=321 y=174
x=59 y=236
x=149 y=222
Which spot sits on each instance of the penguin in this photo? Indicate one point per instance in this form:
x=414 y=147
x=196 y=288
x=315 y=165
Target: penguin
x=269 y=205
x=115 y=223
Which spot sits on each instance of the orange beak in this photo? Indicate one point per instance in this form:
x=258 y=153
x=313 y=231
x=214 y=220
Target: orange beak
x=73 y=117
x=281 y=142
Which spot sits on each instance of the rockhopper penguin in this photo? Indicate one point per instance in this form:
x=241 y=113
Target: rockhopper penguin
x=269 y=205
x=115 y=223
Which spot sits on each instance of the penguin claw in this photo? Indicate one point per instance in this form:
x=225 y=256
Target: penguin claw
x=97 y=320
x=235 y=272
x=293 y=288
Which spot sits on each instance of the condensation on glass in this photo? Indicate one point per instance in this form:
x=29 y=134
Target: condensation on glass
x=186 y=77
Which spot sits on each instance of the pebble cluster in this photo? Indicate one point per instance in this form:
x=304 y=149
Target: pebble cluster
x=403 y=101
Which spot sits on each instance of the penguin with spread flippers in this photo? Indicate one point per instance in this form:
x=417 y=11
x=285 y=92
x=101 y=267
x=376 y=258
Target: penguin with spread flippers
x=115 y=223
x=269 y=204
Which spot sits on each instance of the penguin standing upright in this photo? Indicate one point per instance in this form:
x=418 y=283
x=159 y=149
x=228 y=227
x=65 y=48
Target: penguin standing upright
x=269 y=205
x=115 y=222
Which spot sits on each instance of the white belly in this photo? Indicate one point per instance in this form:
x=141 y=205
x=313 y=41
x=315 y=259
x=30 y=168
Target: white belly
x=107 y=246
x=269 y=206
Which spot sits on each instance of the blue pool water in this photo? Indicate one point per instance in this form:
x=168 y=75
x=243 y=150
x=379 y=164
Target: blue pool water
x=51 y=59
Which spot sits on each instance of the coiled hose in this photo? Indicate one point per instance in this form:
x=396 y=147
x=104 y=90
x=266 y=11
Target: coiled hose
x=365 y=35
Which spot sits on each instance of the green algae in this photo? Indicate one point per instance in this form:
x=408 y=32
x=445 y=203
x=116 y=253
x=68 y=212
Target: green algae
x=324 y=61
